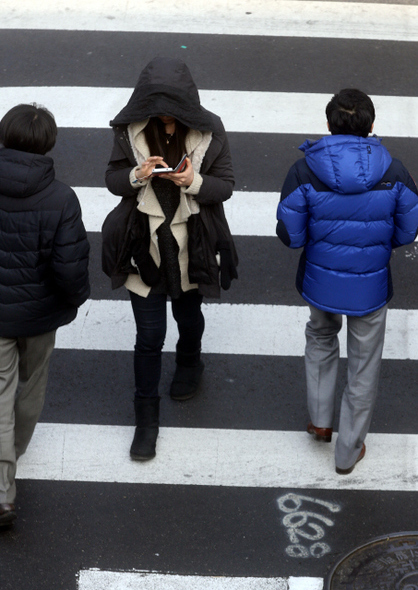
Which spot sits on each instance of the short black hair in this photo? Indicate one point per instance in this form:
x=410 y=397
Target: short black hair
x=28 y=128
x=350 y=112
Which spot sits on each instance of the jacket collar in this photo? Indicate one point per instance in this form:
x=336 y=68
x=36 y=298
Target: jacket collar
x=197 y=143
x=193 y=140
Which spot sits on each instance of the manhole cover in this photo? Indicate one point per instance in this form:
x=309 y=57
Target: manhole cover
x=385 y=563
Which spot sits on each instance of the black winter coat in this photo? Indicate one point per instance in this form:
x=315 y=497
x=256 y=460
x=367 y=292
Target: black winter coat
x=206 y=231
x=166 y=87
x=43 y=247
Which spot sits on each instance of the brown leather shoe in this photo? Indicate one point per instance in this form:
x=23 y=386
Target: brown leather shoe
x=7 y=514
x=321 y=434
x=350 y=469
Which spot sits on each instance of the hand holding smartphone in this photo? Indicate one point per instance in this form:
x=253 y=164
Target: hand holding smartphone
x=179 y=168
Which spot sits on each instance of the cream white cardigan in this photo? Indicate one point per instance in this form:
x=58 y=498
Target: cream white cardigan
x=197 y=143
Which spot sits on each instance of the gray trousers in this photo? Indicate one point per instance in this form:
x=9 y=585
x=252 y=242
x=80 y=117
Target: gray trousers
x=365 y=339
x=24 y=366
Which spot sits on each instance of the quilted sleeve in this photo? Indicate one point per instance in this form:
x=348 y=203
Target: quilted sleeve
x=292 y=212
x=406 y=213
x=70 y=254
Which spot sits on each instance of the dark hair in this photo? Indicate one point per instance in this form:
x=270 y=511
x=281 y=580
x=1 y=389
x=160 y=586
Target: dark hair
x=350 y=112
x=156 y=138
x=28 y=128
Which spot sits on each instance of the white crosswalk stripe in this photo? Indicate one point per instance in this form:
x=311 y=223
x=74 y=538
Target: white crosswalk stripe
x=248 y=213
x=208 y=457
x=276 y=330
x=93 y=579
x=241 y=112
x=292 y=18
x=215 y=457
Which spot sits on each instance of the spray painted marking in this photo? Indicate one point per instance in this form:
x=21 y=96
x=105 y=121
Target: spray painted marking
x=244 y=17
x=93 y=579
x=295 y=519
x=241 y=111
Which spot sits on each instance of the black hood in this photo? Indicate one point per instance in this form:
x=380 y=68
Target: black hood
x=23 y=174
x=166 y=87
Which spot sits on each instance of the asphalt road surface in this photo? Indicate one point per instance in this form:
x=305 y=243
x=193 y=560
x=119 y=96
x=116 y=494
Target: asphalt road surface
x=239 y=496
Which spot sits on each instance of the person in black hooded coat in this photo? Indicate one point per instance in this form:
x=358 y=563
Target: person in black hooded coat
x=43 y=278
x=172 y=238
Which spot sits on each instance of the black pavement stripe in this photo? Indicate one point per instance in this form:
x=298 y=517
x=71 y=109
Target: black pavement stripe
x=182 y=529
x=266 y=270
x=237 y=391
x=261 y=160
x=286 y=64
x=267 y=273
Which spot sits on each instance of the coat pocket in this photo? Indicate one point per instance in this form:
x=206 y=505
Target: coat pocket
x=207 y=230
x=123 y=228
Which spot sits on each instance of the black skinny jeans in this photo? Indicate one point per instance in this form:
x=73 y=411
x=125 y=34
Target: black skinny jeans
x=151 y=327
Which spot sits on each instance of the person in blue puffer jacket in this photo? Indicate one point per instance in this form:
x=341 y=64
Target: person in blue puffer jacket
x=348 y=203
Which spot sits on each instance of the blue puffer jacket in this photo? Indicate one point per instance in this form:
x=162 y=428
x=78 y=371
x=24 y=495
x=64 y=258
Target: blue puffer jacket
x=348 y=203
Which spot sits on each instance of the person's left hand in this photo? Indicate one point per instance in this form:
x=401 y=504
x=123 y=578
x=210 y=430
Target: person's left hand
x=184 y=178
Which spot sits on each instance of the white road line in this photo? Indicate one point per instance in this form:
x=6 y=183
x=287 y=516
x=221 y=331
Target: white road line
x=216 y=457
x=94 y=579
x=276 y=330
x=243 y=17
x=248 y=213
x=241 y=111
x=305 y=583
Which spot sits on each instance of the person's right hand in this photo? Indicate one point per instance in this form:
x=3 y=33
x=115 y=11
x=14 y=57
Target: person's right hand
x=147 y=167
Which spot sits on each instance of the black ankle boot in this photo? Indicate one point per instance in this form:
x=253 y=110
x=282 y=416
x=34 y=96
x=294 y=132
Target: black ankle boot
x=147 y=411
x=187 y=375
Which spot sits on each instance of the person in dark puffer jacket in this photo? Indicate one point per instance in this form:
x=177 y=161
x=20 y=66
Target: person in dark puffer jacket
x=348 y=204
x=43 y=278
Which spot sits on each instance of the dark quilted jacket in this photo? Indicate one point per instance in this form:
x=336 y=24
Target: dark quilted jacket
x=43 y=247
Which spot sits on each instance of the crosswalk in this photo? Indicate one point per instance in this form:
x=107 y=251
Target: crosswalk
x=322 y=19
x=215 y=457
x=239 y=497
x=255 y=330
x=277 y=112
x=91 y=580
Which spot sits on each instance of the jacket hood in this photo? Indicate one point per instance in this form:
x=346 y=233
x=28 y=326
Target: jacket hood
x=23 y=174
x=346 y=163
x=166 y=87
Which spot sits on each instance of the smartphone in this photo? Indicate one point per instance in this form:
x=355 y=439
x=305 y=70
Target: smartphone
x=179 y=168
